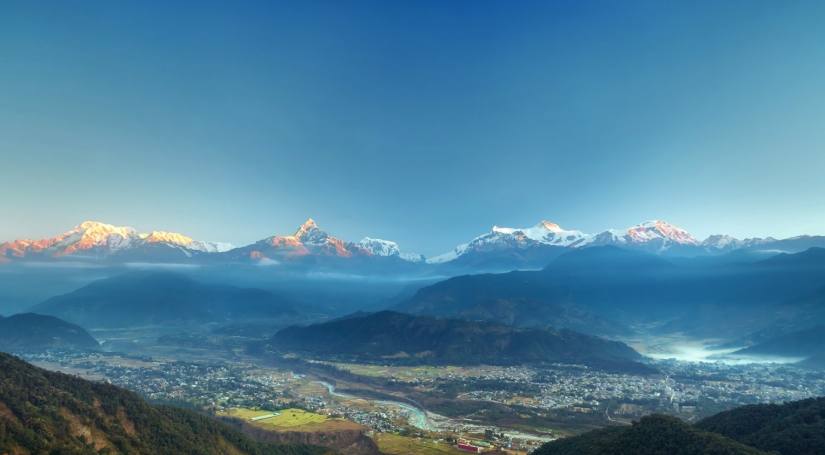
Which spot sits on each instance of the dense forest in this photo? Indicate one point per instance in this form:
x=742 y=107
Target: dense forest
x=796 y=428
x=652 y=435
x=43 y=412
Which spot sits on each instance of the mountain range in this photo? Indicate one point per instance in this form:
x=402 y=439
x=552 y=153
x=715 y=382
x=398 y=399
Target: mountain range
x=805 y=343
x=163 y=298
x=95 y=240
x=502 y=248
x=600 y=290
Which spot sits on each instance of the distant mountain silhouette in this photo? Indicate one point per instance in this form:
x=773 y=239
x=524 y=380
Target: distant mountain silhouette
x=149 y=298
x=804 y=343
x=812 y=257
x=608 y=258
x=516 y=298
x=531 y=257
x=28 y=332
x=391 y=336
x=601 y=289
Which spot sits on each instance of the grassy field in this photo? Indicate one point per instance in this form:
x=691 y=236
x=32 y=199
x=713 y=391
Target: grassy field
x=291 y=420
x=286 y=418
x=393 y=444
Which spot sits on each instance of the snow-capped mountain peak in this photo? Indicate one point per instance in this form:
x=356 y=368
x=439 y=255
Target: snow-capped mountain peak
x=387 y=248
x=102 y=240
x=721 y=242
x=550 y=226
x=176 y=239
x=545 y=233
x=94 y=240
x=309 y=240
x=309 y=232
x=91 y=235
x=380 y=247
x=308 y=226
x=659 y=230
x=173 y=238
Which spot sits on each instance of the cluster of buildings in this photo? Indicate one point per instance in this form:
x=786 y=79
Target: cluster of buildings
x=685 y=389
x=206 y=385
x=690 y=390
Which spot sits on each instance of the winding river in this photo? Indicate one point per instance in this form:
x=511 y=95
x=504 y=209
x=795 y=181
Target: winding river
x=417 y=417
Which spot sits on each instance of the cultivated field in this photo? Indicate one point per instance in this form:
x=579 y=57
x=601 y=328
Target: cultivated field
x=393 y=444
x=291 y=419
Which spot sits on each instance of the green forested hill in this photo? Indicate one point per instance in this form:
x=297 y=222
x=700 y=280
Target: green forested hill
x=652 y=435
x=42 y=412
x=399 y=337
x=29 y=332
x=796 y=428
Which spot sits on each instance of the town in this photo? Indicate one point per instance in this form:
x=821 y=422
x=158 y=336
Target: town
x=689 y=390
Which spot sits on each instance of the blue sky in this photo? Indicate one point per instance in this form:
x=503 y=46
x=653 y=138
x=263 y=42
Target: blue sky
x=421 y=122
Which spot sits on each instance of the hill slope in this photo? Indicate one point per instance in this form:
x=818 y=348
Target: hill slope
x=580 y=290
x=46 y=412
x=651 y=435
x=147 y=298
x=804 y=343
x=401 y=337
x=515 y=298
x=587 y=288
x=796 y=428
x=29 y=332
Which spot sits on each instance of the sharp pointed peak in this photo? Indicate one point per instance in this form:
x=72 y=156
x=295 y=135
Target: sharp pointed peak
x=308 y=228
x=308 y=224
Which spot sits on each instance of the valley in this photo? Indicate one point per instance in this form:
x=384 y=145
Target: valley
x=412 y=227
x=512 y=407
x=600 y=337
x=498 y=362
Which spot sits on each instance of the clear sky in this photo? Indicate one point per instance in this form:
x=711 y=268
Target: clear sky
x=421 y=122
